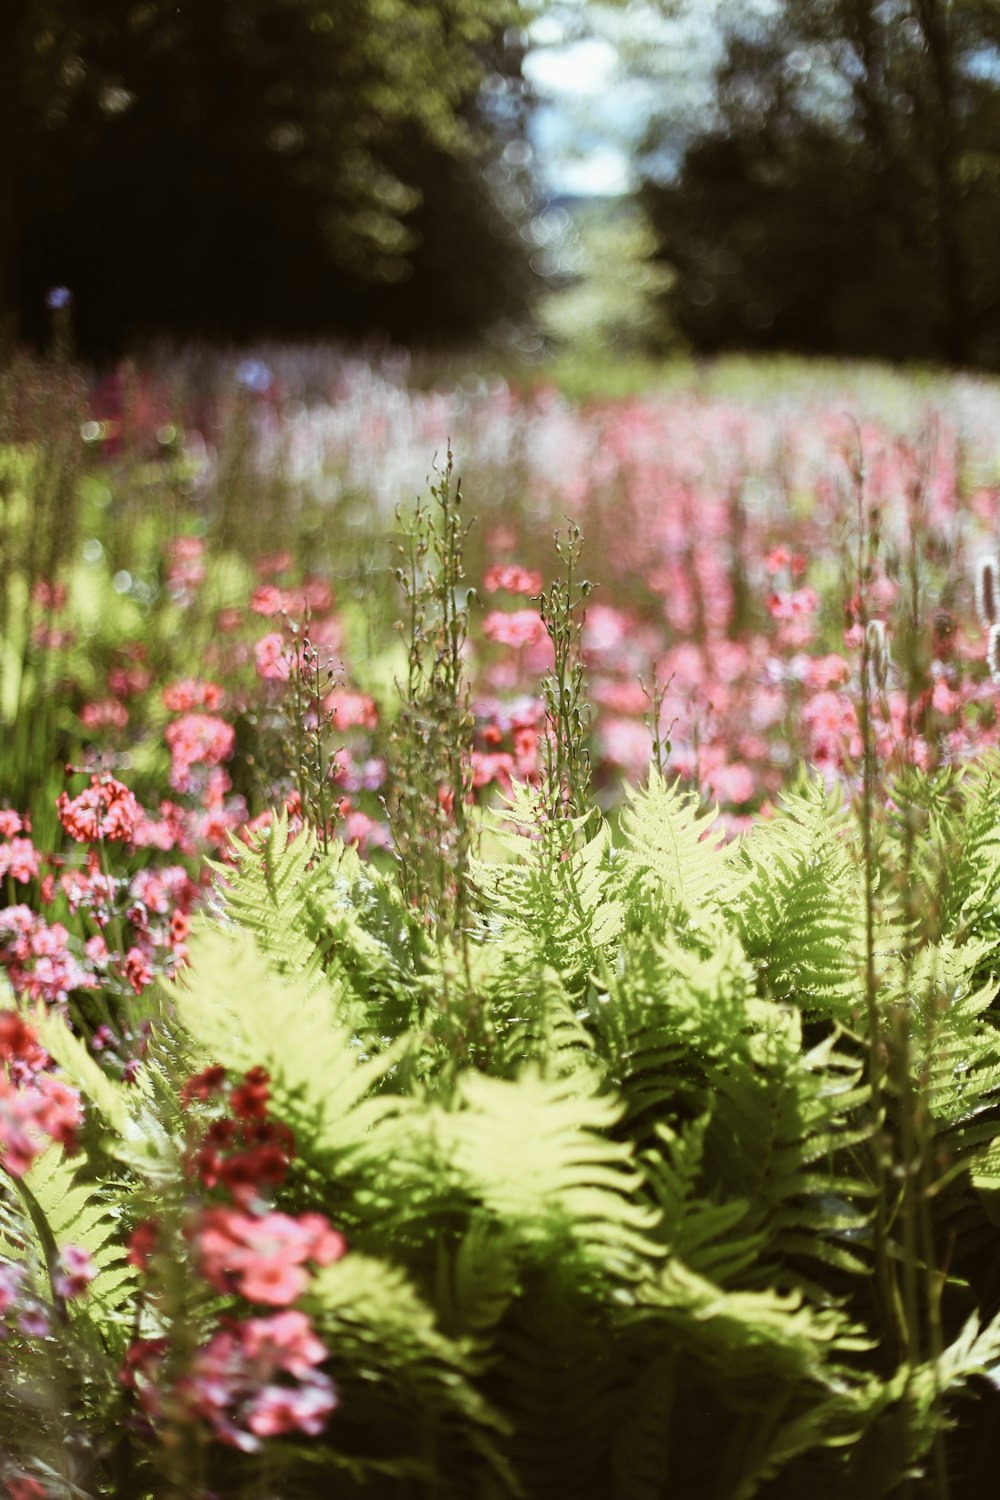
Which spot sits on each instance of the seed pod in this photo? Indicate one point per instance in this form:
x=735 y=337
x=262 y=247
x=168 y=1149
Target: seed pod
x=993 y=653
x=878 y=654
x=987 y=585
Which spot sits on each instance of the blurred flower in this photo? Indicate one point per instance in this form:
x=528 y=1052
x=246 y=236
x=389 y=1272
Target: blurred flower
x=253 y=375
x=76 y=1272
x=523 y=627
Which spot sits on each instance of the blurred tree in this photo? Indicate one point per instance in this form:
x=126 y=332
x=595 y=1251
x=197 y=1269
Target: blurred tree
x=610 y=297
x=238 y=167
x=844 y=195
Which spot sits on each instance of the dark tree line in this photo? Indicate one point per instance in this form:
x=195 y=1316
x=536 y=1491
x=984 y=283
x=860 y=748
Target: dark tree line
x=238 y=168
x=845 y=196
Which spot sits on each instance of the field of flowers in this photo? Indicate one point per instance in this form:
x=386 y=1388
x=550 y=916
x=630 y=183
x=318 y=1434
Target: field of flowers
x=212 y=598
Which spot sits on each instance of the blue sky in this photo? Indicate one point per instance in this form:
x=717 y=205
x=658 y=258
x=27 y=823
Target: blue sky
x=600 y=70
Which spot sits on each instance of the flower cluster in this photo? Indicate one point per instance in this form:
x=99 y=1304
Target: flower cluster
x=106 y=811
x=197 y=739
x=38 y=957
x=19 y=859
x=36 y=1107
x=256 y=1377
x=242 y=1150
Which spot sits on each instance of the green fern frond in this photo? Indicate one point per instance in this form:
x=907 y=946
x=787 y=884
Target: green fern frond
x=243 y=1013
x=535 y=1153
x=77 y=1211
x=668 y=838
x=388 y=1353
x=110 y=1098
x=641 y=1465
x=967 y=870
x=698 y=1229
x=798 y=912
x=559 y=889
x=533 y=1016
x=314 y=914
x=267 y=887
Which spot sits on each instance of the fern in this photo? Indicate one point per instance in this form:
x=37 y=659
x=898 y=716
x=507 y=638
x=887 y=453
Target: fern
x=534 y=1153
x=558 y=891
x=390 y=1350
x=798 y=911
x=602 y=1158
x=674 y=848
x=241 y=1012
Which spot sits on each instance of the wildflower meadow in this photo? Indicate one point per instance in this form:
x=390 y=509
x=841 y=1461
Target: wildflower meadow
x=500 y=929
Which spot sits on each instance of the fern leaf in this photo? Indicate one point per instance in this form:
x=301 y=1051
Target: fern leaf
x=668 y=837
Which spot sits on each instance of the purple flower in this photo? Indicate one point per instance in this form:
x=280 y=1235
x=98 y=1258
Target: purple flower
x=11 y=1276
x=58 y=297
x=253 y=375
x=34 y=1323
x=77 y=1271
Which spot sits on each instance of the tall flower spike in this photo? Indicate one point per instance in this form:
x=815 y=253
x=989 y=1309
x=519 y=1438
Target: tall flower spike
x=993 y=653
x=987 y=585
x=878 y=654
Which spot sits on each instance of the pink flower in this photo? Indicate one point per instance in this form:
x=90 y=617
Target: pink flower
x=946 y=701
x=186 y=571
x=791 y=606
x=278 y=562
x=272 y=658
x=284 y=1339
x=234 y=1383
x=77 y=1271
x=351 y=710
x=138 y=970
x=33 y=1113
x=605 y=629
x=263 y=1256
x=106 y=810
x=37 y=957
x=732 y=783
x=11 y=1276
x=197 y=739
x=513 y=579
x=626 y=743
x=19 y=859
x=363 y=832
x=191 y=692
x=828 y=671
x=280 y=1408
x=107 y=714
x=495 y=766
x=523 y=627
x=267 y=600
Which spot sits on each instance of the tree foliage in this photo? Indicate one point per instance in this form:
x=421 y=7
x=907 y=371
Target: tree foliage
x=247 y=168
x=845 y=192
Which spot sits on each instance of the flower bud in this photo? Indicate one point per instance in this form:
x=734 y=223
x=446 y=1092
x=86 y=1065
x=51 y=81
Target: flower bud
x=878 y=654
x=993 y=653
x=987 y=576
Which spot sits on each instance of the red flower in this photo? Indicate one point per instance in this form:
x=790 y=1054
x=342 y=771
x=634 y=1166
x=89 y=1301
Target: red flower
x=142 y=1244
x=23 y=1487
x=106 y=810
x=203 y=1085
x=249 y=1100
x=138 y=970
